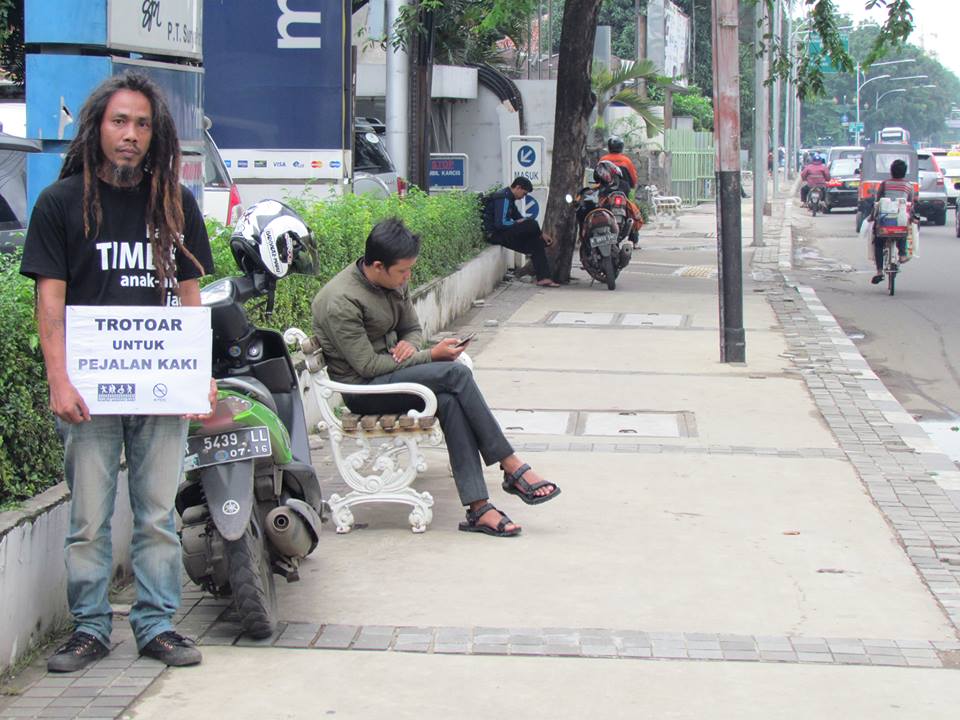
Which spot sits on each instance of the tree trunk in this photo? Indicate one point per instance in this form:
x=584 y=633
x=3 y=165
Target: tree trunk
x=421 y=75
x=575 y=101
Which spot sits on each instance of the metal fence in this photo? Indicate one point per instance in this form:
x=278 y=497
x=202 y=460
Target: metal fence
x=694 y=165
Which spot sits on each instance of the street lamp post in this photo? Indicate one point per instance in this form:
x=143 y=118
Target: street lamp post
x=878 y=95
x=878 y=77
x=900 y=90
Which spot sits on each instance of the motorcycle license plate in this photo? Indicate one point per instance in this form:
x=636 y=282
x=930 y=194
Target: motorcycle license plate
x=230 y=446
x=602 y=239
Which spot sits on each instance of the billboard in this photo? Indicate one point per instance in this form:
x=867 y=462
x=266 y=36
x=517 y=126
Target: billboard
x=668 y=39
x=277 y=78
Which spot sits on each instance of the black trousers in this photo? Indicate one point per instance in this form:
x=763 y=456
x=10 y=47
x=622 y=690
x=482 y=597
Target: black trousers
x=524 y=237
x=879 y=244
x=470 y=430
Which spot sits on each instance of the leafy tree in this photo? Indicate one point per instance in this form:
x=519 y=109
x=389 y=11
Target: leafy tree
x=920 y=110
x=610 y=87
x=694 y=104
x=11 y=40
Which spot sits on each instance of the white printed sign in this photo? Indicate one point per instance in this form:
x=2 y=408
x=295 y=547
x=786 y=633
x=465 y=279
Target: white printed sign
x=172 y=27
x=527 y=158
x=140 y=360
x=286 y=164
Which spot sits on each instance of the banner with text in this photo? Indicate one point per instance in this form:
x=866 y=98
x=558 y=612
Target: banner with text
x=140 y=360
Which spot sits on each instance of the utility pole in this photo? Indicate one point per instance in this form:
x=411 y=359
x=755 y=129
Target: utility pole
x=761 y=108
x=777 y=88
x=398 y=93
x=791 y=153
x=726 y=133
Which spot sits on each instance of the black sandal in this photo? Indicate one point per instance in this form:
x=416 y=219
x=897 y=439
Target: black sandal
x=516 y=485
x=473 y=522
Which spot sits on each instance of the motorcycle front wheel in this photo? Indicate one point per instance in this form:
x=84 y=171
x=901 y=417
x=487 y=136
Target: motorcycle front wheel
x=251 y=583
x=611 y=275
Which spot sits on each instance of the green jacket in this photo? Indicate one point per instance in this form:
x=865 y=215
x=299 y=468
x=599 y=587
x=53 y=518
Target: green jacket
x=358 y=323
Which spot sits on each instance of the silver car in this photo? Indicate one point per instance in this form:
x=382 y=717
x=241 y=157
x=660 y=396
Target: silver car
x=373 y=171
x=932 y=202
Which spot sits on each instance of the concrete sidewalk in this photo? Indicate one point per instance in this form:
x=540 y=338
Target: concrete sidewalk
x=762 y=540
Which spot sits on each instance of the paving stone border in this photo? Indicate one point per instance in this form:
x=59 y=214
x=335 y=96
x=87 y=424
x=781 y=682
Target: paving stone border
x=913 y=483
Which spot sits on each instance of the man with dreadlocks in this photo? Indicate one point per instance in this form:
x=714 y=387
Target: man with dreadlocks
x=117 y=228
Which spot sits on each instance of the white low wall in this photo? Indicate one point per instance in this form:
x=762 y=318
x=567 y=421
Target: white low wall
x=33 y=581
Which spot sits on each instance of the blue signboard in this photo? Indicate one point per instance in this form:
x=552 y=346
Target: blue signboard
x=529 y=207
x=59 y=85
x=278 y=73
x=448 y=171
x=526 y=156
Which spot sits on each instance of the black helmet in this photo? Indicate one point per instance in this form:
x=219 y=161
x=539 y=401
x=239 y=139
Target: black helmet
x=270 y=237
x=615 y=144
x=606 y=173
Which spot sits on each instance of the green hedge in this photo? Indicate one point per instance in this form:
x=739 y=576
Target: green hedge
x=448 y=223
x=30 y=452
x=31 y=457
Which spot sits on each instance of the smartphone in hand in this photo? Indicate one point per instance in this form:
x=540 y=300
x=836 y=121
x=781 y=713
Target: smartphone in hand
x=465 y=340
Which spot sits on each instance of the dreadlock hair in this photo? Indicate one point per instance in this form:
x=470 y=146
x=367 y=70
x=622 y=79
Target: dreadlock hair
x=161 y=164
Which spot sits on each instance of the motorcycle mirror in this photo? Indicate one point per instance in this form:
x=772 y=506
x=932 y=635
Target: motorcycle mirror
x=569 y=198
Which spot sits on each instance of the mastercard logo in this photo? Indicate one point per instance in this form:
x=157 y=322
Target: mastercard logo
x=316 y=163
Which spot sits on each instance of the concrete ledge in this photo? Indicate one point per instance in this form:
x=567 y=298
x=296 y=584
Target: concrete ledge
x=441 y=301
x=33 y=580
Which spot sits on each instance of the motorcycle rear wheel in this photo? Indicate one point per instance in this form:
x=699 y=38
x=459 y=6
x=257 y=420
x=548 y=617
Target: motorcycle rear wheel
x=251 y=582
x=611 y=275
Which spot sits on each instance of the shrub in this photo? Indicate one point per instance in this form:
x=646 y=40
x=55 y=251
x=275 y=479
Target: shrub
x=31 y=458
x=448 y=224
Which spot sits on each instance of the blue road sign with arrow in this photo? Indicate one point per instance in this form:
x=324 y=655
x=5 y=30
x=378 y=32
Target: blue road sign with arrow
x=526 y=156
x=529 y=207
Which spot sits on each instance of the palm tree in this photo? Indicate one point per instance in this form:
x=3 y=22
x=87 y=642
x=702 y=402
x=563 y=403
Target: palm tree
x=610 y=87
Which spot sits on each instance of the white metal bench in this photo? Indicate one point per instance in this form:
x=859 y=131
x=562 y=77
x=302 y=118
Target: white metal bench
x=378 y=456
x=666 y=208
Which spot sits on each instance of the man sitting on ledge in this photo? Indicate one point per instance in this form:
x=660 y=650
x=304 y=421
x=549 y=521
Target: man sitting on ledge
x=370 y=334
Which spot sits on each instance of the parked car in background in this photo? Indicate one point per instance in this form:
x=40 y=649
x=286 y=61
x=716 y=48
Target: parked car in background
x=844 y=152
x=13 y=189
x=844 y=184
x=221 y=198
x=373 y=171
x=950 y=167
x=932 y=201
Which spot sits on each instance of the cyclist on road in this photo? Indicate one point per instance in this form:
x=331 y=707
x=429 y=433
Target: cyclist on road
x=894 y=187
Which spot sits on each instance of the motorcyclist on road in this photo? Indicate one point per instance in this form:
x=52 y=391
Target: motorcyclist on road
x=814 y=174
x=894 y=187
x=628 y=173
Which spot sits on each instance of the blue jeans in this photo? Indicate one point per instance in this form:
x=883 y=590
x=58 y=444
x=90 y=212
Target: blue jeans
x=153 y=446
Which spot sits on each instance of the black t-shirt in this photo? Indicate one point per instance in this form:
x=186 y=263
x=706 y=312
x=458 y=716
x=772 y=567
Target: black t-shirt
x=115 y=265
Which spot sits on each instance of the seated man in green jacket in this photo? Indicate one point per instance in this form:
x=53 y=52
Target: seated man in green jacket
x=370 y=334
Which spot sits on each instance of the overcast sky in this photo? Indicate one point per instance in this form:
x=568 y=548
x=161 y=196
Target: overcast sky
x=936 y=22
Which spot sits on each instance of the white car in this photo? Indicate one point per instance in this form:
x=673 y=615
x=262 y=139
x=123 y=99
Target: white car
x=221 y=198
x=950 y=167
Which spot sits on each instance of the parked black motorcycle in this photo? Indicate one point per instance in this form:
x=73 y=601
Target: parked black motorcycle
x=605 y=246
x=251 y=503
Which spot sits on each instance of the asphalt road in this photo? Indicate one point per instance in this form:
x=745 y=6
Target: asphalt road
x=911 y=340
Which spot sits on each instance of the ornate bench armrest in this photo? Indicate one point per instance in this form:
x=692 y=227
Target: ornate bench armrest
x=429 y=399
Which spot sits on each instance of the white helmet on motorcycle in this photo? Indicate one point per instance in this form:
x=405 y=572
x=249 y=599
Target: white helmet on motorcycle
x=606 y=173
x=270 y=237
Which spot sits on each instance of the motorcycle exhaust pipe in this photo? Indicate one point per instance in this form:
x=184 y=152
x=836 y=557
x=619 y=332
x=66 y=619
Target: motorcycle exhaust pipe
x=288 y=533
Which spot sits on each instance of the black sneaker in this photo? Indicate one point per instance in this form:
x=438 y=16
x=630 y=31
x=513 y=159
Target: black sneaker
x=76 y=653
x=173 y=649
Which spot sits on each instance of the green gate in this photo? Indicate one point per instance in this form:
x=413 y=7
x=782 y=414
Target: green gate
x=693 y=165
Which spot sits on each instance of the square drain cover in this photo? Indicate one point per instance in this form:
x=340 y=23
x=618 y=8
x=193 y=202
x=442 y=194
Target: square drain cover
x=534 y=422
x=633 y=424
x=581 y=318
x=652 y=319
